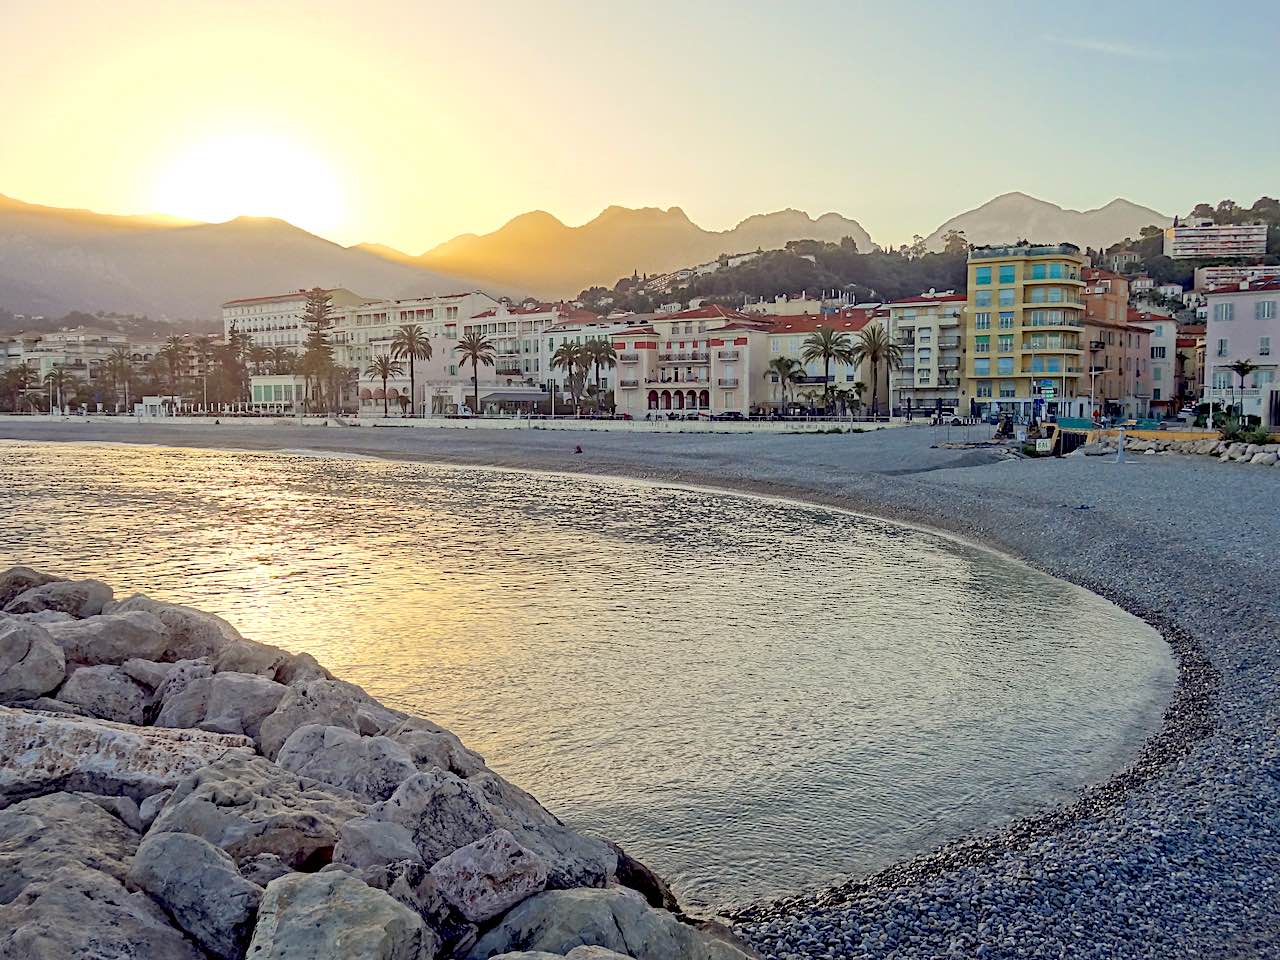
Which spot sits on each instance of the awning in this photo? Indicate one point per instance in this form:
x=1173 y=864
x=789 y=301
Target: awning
x=513 y=397
x=366 y=393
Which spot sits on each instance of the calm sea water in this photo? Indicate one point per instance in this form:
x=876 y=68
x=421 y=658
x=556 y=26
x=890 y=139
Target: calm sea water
x=755 y=697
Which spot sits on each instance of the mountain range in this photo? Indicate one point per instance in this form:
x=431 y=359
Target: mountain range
x=55 y=260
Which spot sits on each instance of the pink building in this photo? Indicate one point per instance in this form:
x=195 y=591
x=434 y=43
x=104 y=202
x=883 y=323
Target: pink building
x=1243 y=324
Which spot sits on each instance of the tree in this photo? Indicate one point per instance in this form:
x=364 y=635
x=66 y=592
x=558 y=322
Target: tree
x=17 y=382
x=317 y=357
x=574 y=360
x=826 y=345
x=173 y=353
x=259 y=357
x=1150 y=231
x=784 y=371
x=954 y=242
x=282 y=360
x=119 y=371
x=600 y=353
x=411 y=343
x=383 y=368
x=1242 y=368
x=59 y=382
x=875 y=347
x=476 y=348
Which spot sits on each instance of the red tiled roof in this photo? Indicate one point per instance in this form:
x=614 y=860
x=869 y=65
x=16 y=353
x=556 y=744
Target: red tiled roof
x=1251 y=286
x=926 y=298
x=850 y=320
x=296 y=295
x=1186 y=341
x=1097 y=273
x=711 y=311
x=638 y=332
x=1191 y=329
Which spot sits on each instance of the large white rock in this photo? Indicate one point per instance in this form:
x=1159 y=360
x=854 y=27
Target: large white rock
x=80 y=598
x=440 y=811
x=222 y=703
x=370 y=767
x=433 y=746
x=41 y=835
x=489 y=876
x=192 y=633
x=333 y=914
x=18 y=580
x=411 y=883
x=31 y=664
x=86 y=915
x=200 y=889
x=249 y=656
x=366 y=843
x=111 y=638
x=327 y=702
x=248 y=806
x=43 y=753
x=108 y=692
x=149 y=673
x=615 y=918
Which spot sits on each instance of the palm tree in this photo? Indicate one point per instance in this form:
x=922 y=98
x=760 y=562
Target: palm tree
x=875 y=346
x=411 y=343
x=282 y=360
x=574 y=360
x=59 y=382
x=783 y=371
x=1242 y=368
x=173 y=352
x=478 y=350
x=383 y=368
x=826 y=345
x=119 y=370
x=259 y=357
x=19 y=380
x=600 y=353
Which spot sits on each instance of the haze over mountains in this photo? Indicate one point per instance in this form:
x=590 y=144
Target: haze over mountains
x=54 y=260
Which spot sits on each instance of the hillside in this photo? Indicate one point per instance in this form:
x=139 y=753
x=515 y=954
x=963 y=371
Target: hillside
x=53 y=261
x=538 y=253
x=1016 y=216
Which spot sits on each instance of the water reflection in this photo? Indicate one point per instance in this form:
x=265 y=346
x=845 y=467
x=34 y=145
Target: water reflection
x=753 y=696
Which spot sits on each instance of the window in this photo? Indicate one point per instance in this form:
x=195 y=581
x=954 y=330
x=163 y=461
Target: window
x=1006 y=297
x=1004 y=366
x=982 y=276
x=1158 y=353
x=922 y=377
x=1007 y=388
x=1006 y=273
x=1055 y=364
x=1264 y=346
x=1265 y=309
x=982 y=298
x=1158 y=332
x=1223 y=311
x=1006 y=321
x=1037 y=364
x=982 y=368
x=984 y=388
x=982 y=321
x=981 y=344
x=1157 y=373
x=1222 y=346
x=1037 y=271
x=1222 y=379
x=1004 y=343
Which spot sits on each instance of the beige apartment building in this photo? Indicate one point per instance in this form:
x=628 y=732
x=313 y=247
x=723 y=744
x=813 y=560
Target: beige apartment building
x=929 y=329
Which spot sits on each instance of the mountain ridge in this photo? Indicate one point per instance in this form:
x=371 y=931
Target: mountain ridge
x=1015 y=215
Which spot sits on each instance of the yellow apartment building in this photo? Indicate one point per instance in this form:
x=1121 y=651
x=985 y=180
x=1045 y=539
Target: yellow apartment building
x=1023 y=339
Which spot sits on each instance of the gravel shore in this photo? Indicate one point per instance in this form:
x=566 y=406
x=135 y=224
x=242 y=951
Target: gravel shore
x=1177 y=857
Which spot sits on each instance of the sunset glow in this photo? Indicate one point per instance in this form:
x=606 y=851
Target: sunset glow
x=251 y=175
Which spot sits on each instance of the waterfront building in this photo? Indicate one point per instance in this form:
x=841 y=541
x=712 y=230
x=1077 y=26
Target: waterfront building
x=580 y=328
x=1023 y=328
x=1164 y=358
x=787 y=336
x=519 y=336
x=1221 y=275
x=1189 y=364
x=710 y=360
x=930 y=331
x=1203 y=238
x=82 y=352
x=276 y=320
x=277 y=393
x=365 y=330
x=1243 y=324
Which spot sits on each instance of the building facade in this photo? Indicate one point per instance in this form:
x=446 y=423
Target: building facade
x=1163 y=346
x=365 y=330
x=1225 y=276
x=1243 y=325
x=1204 y=238
x=787 y=336
x=1024 y=313
x=930 y=331
x=276 y=320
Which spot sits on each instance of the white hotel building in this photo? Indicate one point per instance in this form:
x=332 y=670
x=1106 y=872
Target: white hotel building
x=276 y=320
x=1204 y=238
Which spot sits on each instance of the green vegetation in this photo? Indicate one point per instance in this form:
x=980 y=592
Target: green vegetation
x=383 y=368
x=474 y=347
x=827 y=345
x=875 y=347
x=411 y=343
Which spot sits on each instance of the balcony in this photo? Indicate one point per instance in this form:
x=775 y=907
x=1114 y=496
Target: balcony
x=1053 y=304
x=678 y=381
x=628 y=384
x=811 y=378
x=948 y=365
x=1073 y=279
x=727 y=354
x=695 y=356
x=727 y=382
x=628 y=358
x=906 y=341
x=949 y=344
x=1097 y=345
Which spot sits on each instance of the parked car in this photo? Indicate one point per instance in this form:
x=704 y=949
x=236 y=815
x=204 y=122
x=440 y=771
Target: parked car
x=730 y=415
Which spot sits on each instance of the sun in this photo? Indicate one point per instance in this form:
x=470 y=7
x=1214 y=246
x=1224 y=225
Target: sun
x=251 y=175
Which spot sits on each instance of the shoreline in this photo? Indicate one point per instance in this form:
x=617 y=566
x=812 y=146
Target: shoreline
x=779 y=927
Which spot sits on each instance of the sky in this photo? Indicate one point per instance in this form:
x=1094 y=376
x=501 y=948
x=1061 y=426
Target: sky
x=407 y=123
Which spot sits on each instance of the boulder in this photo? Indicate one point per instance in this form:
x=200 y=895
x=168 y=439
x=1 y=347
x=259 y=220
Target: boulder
x=150 y=808
x=411 y=883
x=440 y=811
x=200 y=888
x=1263 y=459
x=249 y=656
x=41 y=835
x=249 y=806
x=634 y=874
x=149 y=673
x=366 y=843
x=489 y=876
x=615 y=918
x=263 y=868
x=299 y=668
x=18 y=580
x=327 y=702
x=111 y=638
x=108 y=692
x=433 y=746
x=122 y=808
x=42 y=617
x=370 y=767
x=192 y=633
x=577 y=953
x=31 y=664
x=333 y=914
x=180 y=674
x=83 y=914
x=222 y=703
x=61 y=752
x=80 y=598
